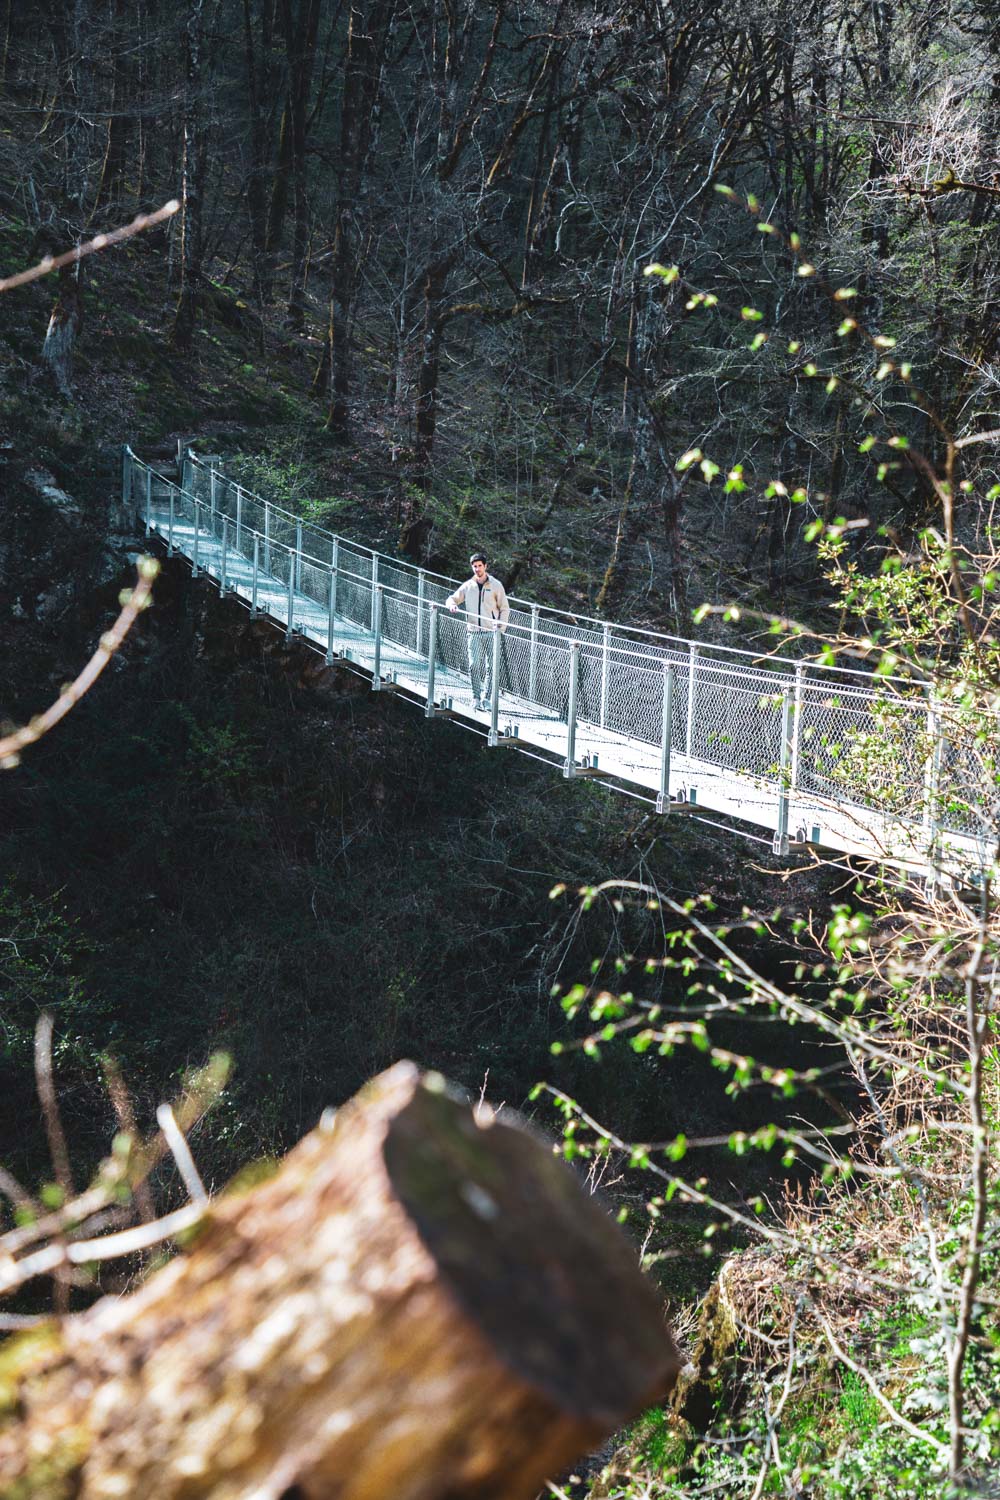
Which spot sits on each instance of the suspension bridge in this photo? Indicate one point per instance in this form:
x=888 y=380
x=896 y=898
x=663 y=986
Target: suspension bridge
x=807 y=756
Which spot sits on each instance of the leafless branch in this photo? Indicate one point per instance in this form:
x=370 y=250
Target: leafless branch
x=50 y=263
x=134 y=601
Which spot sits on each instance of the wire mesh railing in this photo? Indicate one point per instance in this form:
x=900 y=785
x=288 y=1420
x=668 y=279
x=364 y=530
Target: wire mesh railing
x=811 y=738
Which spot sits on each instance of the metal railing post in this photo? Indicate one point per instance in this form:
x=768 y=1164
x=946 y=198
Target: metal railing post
x=196 y=505
x=605 y=668
x=170 y=523
x=239 y=519
x=493 y=737
x=374 y=586
x=149 y=500
x=533 y=656
x=780 y=844
x=335 y=565
x=666 y=734
x=212 y=482
x=298 y=555
x=256 y=574
x=432 y=635
x=692 y=669
x=331 y=613
x=377 y=628
x=569 y=768
x=225 y=554
x=421 y=591
x=797 y=726
x=291 y=594
x=267 y=537
x=932 y=771
x=126 y=475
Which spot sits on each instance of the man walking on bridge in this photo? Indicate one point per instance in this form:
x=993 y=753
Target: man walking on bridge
x=486 y=611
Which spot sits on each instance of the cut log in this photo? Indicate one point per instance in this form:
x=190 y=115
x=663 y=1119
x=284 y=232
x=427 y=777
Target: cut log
x=422 y=1304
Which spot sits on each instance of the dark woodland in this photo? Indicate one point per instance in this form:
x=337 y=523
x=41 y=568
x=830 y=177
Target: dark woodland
x=410 y=291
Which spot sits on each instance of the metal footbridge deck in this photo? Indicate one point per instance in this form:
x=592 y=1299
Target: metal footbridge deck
x=815 y=756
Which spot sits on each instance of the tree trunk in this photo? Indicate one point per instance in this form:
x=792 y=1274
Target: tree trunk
x=300 y=39
x=112 y=170
x=193 y=182
x=367 y=34
x=430 y=366
x=258 y=70
x=422 y=1303
x=64 y=325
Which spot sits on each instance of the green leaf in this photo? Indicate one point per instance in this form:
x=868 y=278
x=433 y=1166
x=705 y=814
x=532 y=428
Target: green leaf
x=665 y=273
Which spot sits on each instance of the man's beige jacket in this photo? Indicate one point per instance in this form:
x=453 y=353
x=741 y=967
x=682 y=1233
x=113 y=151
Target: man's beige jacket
x=484 y=606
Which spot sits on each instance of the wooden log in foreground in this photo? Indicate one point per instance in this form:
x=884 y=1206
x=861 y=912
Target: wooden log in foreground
x=421 y=1305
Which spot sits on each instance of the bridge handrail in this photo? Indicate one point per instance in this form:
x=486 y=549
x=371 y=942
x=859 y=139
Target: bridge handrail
x=778 y=664
x=780 y=669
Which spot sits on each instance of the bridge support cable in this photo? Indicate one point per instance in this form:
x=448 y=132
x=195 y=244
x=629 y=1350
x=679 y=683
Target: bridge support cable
x=808 y=753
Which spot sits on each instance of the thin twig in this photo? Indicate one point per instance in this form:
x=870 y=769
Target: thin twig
x=977 y=1024
x=50 y=1105
x=773 y=1417
x=895 y=1416
x=51 y=1258
x=134 y=602
x=182 y=1154
x=50 y=263
x=122 y=1105
x=13 y=1190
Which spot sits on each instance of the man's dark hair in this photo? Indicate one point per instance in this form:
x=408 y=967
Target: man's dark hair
x=478 y=557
